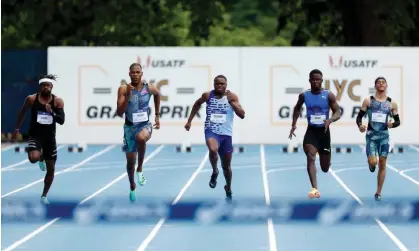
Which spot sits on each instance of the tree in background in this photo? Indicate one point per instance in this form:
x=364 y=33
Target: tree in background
x=39 y=24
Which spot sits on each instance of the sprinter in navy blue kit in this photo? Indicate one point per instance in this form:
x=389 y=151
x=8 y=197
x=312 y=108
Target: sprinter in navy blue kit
x=318 y=101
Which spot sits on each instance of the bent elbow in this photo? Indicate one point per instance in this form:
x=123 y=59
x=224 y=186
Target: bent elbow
x=119 y=112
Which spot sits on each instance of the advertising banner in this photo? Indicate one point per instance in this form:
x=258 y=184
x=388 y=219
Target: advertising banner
x=349 y=73
x=89 y=79
x=267 y=81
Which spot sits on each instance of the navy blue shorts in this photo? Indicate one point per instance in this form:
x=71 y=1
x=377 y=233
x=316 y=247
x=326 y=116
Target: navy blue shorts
x=225 y=142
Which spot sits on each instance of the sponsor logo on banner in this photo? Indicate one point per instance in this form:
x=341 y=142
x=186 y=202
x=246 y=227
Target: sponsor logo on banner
x=341 y=62
x=178 y=82
x=160 y=63
x=351 y=84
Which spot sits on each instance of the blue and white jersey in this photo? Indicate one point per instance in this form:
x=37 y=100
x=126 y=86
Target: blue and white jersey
x=137 y=110
x=219 y=115
x=317 y=106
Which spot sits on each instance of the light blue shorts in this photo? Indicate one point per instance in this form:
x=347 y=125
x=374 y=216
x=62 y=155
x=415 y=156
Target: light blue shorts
x=130 y=135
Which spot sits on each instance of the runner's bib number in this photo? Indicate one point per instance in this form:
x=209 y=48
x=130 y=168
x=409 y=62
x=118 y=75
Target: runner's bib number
x=44 y=118
x=218 y=118
x=317 y=119
x=139 y=117
x=378 y=117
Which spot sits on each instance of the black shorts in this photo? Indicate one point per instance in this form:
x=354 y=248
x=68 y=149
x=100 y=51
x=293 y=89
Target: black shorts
x=46 y=145
x=317 y=137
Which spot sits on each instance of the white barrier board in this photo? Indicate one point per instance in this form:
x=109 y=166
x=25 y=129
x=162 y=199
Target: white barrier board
x=267 y=81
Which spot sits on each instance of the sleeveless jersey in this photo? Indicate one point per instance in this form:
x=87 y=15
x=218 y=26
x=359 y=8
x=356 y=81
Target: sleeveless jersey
x=219 y=115
x=317 y=106
x=41 y=122
x=137 y=109
x=378 y=113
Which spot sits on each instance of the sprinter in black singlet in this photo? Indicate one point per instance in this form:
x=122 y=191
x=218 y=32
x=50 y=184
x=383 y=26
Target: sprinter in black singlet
x=46 y=110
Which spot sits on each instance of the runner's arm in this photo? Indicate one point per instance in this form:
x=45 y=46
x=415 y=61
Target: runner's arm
x=238 y=109
x=297 y=109
x=22 y=112
x=204 y=97
x=122 y=101
x=335 y=107
x=362 y=112
x=156 y=96
x=58 y=113
x=395 y=113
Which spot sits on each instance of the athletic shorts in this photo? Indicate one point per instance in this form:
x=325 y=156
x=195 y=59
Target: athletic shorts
x=46 y=145
x=317 y=137
x=225 y=142
x=377 y=145
x=130 y=135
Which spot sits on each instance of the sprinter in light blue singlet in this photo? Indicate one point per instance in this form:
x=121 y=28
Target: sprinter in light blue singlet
x=219 y=117
x=133 y=102
x=378 y=108
x=221 y=106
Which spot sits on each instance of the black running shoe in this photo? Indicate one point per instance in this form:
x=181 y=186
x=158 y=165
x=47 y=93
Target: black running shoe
x=213 y=181
x=372 y=168
x=229 y=194
x=377 y=197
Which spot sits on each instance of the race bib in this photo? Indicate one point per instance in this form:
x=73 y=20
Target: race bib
x=378 y=117
x=44 y=118
x=317 y=119
x=139 y=117
x=218 y=118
